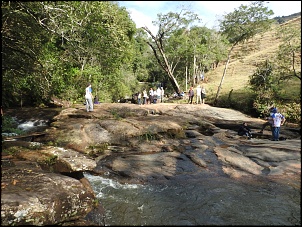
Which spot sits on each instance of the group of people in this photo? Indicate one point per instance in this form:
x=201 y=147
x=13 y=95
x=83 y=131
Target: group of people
x=200 y=95
x=275 y=120
x=151 y=97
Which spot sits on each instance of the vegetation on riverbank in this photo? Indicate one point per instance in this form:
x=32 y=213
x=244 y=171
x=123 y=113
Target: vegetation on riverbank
x=72 y=43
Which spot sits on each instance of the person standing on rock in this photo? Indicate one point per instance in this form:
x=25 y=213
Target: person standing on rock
x=151 y=93
x=198 y=94
x=203 y=94
x=269 y=121
x=139 y=98
x=278 y=120
x=158 y=92
x=88 y=97
x=145 y=97
x=154 y=96
x=191 y=95
x=162 y=93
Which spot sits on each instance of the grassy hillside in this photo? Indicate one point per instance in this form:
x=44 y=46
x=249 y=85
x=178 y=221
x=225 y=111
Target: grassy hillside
x=243 y=64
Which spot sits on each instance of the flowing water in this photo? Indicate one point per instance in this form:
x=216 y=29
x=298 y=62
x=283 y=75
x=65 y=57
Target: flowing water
x=195 y=200
x=198 y=201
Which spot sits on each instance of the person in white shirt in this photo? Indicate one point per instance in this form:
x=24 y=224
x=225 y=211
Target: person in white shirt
x=162 y=94
x=139 y=98
x=88 y=97
x=154 y=96
x=145 y=97
x=198 y=94
x=158 y=93
x=278 y=120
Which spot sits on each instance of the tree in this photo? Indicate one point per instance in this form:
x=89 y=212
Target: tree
x=55 y=48
x=264 y=84
x=22 y=42
x=289 y=53
x=241 y=25
x=142 y=56
x=208 y=46
x=168 y=24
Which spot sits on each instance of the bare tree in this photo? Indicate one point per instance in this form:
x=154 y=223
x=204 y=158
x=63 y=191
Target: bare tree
x=167 y=24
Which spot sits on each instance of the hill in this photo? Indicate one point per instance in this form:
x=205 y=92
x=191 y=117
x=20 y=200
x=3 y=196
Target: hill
x=243 y=63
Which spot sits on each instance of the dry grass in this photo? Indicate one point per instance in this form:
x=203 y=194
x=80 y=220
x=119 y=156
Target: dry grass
x=243 y=63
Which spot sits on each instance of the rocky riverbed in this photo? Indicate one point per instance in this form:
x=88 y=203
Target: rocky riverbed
x=42 y=176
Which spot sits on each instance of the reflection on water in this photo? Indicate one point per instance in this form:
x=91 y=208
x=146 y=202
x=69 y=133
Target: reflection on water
x=207 y=201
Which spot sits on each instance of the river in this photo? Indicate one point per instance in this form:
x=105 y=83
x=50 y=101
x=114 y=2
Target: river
x=198 y=201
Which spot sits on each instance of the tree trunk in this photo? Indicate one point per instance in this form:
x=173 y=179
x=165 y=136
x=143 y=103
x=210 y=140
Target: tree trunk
x=223 y=75
x=186 y=78
x=194 y=71
x=163 y=62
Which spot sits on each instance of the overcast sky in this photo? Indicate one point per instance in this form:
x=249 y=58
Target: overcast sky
x=144 y=12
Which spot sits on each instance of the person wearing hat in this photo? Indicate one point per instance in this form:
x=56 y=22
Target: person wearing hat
x=278 y=120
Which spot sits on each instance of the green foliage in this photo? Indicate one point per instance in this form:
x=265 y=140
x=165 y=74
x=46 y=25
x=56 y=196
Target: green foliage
x=98 y=149
x=246 y=21
x=171 y=31
x=96 y=202
x=148 y=136
x=239 y=100
x=81 y=42
x=289 y=53
x=241 y=25
x=11 y=150
x=115 y=114
x=142 y=56
x=292 y=112
x=268 y=91
x=264 y=84
x=22 y=41
x=51 y=160
x=290 y=90
x=9 y=125
x=35 y=145
x=56 y=48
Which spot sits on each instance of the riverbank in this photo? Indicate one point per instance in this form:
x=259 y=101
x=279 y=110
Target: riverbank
x=139 y=144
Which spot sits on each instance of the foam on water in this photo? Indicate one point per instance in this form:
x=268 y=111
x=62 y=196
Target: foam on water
x=30 y=124
x=109 y=182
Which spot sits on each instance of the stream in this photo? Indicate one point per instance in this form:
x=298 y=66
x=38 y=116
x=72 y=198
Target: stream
x=199 y=201
x=195 y=199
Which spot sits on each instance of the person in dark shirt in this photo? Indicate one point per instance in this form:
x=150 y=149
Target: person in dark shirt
x=244 y=130
x=96 y=100
x=191 y=95
x=269 y=121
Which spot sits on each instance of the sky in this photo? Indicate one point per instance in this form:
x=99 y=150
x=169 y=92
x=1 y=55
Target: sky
x=144 y=12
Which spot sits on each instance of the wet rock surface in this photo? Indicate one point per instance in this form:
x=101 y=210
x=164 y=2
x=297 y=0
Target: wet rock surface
x=145 y=144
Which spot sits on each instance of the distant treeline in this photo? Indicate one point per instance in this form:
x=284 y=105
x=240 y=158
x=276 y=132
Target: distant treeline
x=284 y=19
